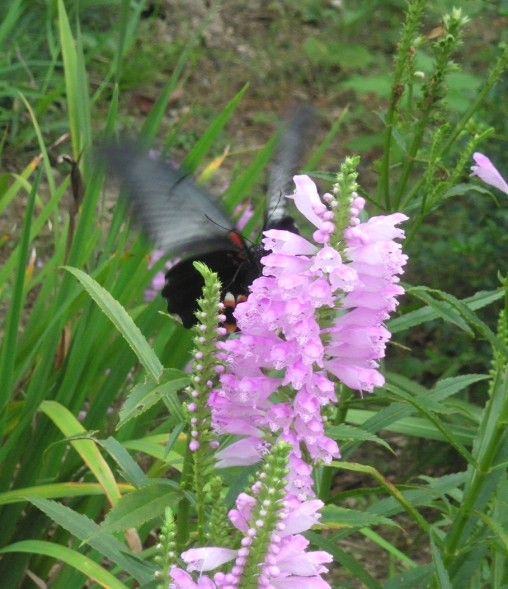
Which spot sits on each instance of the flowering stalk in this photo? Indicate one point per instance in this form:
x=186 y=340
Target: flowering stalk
x=217 y=530
x=280 y=372
x=403 y=59
x=488 y=452
x=266 y=516
x=166 y=550
x=272 y=552
x=433 y=91
x=204 y=375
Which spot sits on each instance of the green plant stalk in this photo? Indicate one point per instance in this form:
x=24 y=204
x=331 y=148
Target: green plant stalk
x=497 y=412
x=429 y=202
x=432 y=93
x=411 y=25
x=326 y=475
x=204 y=375
x=494 y=76
x=18 y=296
x=183 y=515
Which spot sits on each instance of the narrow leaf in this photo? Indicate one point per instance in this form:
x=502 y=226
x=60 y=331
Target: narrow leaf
x=88 y=531
x=71 y=557
x=87 y=449
x=122 y=321
x=141 y=506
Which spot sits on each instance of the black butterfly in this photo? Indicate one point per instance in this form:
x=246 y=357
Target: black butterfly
x=182 y=219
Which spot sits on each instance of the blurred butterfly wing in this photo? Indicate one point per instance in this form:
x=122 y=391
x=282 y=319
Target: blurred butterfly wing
x=178 y=216
x=293 y=145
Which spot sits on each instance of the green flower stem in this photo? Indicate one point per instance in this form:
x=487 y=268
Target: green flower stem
x=433 y=91
x=403 y=58
x=204 y=377
x=183 y=516
x=165 y=556
x=487 y=452
x=493 y=436
x=266 y=512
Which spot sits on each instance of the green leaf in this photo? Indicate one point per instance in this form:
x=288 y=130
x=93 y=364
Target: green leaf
x=12 y=326
x=344 y=559
x=141 y=506
x=209 y=138
x=334 y=517
x=442 y=309
x=243 y=184
x=122 y=321
x=155 y=446
x=441 y=576
x=480 y=326
x=71 y=557
x=348 y=433
x=86 y=448
x=428 y=406
x=54 y=491
x=131 y=471
x=388 y=546
x=417 y=577
x=425 y=314
x=332 y=54
x=154 y=119
x=462 y=189
x=88 y=531
x=379 y=85
x=145 y=395
x=422 y=495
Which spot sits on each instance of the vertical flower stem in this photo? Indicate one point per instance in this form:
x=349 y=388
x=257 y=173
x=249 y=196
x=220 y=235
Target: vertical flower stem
x=433 y=92
x=183 y=515
x=413 y=19
x=204 y=377
x=494 y=436
x=491 y=439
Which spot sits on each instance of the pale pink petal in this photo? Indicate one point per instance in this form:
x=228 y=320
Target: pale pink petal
x=286 y=242
x=304 y=517
x=206 y=559
x=307 y=199
x=182 y=580
x=242 y=453
x=486 y=171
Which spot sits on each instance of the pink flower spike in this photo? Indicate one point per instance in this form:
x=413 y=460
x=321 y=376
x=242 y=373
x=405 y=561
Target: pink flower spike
x=307 y=199
x=207 y=559
x=486 y=171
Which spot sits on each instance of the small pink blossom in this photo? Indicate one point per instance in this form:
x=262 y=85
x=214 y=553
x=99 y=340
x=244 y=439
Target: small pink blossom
x=486 y=171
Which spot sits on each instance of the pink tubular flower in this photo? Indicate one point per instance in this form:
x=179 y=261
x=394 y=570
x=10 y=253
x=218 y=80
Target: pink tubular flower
x=486 y=171
x=282 y=348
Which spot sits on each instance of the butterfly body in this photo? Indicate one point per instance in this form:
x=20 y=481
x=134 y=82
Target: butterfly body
x=184 y=221
x=236 y=269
